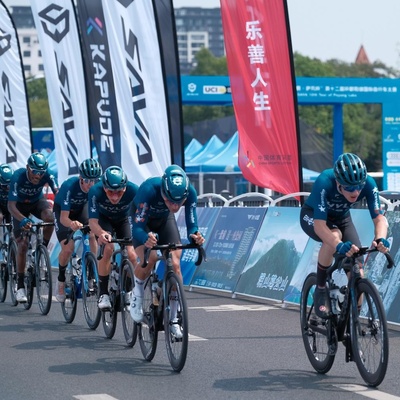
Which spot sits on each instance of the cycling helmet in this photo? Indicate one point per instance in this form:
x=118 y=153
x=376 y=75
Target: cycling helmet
x=6 y=173
x=175 y=184
x=90 y=169
x=38 y=161
x=349 y=169
x=114 y=178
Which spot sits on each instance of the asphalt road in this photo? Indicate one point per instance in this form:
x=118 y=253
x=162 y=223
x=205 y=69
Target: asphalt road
x=239 y=349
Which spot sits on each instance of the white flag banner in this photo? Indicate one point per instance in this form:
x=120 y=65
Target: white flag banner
x=56 y=24
x=15 y=130
x=139 y=87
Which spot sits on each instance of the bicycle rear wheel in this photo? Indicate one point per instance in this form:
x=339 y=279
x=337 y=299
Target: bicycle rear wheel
x=12 y=270
x=147 y=330
x=68 y=307
x=369 y=335
x=177 y=347
x=90 y=294
x=128 y=325
x=43 y=279
x=314 y=330
x=3 y=281
x=109 y=317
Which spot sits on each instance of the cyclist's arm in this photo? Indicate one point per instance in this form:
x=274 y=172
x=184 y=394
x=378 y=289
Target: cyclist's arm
x=193 y=233
x=66 y=221
x=104 y=236
x=15 y=213
x=380 y=231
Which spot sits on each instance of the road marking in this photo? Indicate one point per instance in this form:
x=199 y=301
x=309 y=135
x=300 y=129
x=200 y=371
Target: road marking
x=194 y=338
x=368 y=392
x=236 y=307
x=94 y=397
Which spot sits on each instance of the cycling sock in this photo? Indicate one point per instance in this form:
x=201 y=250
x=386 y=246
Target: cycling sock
x=20 y=280
x=138 y=288
x=61 y=273
x=103 y=280
x=321 y=275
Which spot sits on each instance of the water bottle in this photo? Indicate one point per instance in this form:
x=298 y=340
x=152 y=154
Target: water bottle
x=154 y=291
x=114 y=279
x=334 y=295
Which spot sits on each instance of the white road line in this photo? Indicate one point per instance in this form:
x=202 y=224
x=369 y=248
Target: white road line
x=236 y=307
x=368 y=392
x=194 y=338
x=94 y=397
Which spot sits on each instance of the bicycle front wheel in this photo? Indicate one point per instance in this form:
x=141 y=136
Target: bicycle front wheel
x=369 y=335
x=109 y=317
x=68 y=307
x=43 y=279
x=128 y=325
x=314 y=330
x=147 y=329
x=176 y=323
x=12 y=271
x=3 y=281
x=90 y=294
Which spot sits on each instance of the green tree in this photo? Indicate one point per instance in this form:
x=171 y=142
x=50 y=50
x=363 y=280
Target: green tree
x=38 y=103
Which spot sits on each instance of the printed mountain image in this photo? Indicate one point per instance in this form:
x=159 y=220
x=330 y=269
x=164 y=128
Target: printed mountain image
x=271 y=274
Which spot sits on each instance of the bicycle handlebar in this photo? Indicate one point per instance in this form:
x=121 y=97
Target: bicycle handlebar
x=85 y=230
x=365 y=250
x=122 y=242
x=175 y=246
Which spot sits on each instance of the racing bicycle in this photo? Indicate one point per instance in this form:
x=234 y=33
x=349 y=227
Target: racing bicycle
x=37 y=269
x=120 y=285
x=81 y=280
x=357 y=319
x=157 y=298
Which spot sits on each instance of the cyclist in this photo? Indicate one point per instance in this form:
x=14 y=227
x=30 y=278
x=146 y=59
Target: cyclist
x=71 y=212
x=157 y=200
x=25 y=198
x=6 y=172
x=110 y=203
x=325 y=217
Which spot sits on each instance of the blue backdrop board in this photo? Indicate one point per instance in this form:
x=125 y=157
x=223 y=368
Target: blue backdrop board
x=206 y=218
x=274 y=256
x=228 y=247
x=386 y=280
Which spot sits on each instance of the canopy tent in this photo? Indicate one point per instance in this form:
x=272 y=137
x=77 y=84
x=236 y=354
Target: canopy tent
x=208 y=151
x=192 y=149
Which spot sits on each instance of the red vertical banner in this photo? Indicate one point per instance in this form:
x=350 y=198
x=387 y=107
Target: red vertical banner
x=259 y=55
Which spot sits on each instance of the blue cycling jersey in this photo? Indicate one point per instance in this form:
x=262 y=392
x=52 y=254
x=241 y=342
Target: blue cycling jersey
x=71 y=197
x=3 y=197
x=23 y=190
x=150 y=204
x=100 y=204
x=328 y=203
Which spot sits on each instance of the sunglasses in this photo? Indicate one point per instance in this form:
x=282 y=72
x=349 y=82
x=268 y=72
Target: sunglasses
x=84 y=180
x=112 y=191
x=352 y=189
x=37 y=172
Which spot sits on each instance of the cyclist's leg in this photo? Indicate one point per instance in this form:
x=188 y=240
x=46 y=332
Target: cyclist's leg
x=44 y=211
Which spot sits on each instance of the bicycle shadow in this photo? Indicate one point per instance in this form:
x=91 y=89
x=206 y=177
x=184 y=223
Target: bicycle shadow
x=284 y=380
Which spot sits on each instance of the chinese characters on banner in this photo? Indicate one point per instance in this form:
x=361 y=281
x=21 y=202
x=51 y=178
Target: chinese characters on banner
x=263 y=91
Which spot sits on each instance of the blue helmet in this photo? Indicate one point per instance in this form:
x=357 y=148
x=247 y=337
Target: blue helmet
x=38 y=161
x=114 y=178
x=6 y=172
x=350 y=170
x=175 y=184
x=90 y=169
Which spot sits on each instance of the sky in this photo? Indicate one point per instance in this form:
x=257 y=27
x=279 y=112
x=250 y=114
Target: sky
x=327 y=29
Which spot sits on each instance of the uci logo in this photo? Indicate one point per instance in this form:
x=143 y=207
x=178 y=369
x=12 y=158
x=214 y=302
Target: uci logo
x=55 y=21
x=5 y=42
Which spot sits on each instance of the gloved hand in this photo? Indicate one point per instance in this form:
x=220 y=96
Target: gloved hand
x=25 y=222
x=384 y=241
x=343 y=248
